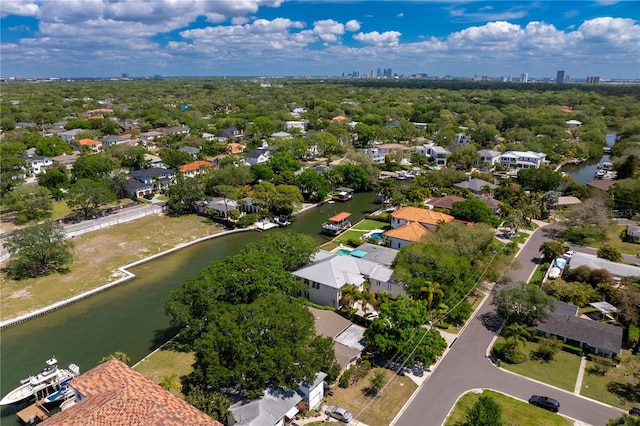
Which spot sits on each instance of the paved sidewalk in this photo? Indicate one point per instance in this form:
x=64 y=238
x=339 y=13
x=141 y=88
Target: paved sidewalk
x=583 y=363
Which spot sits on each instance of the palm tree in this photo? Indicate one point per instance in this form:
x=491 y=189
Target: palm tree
x=431 y=291
x=349 y=294
x=515 y=334
x=513 y=221
x=367 y=299
x=382 y=297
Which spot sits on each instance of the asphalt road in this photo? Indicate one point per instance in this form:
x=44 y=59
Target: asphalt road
x=466 y=366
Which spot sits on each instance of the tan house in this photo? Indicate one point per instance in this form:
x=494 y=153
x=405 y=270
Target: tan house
x=195 y=168
x=427 y=218
x=411 y=233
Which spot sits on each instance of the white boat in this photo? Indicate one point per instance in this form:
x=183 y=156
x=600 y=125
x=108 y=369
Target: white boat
x=49 y=381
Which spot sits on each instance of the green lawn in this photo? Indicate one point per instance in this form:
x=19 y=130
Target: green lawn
x=618 y=387
x=370 y=225
x=360 y=229
x=165 y=363
x=613 y=239
x=538 y=274
x=561 y=372
x=514 y=412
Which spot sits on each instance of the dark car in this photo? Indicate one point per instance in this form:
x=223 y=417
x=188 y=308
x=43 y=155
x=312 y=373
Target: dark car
x=545 y=402
x=635 y=410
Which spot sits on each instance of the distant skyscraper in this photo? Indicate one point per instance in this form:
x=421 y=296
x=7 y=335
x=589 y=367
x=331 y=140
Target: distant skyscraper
x=524 y=77
x=560 y=77
x=125 y=75
x=593 y=80
x=378 y=73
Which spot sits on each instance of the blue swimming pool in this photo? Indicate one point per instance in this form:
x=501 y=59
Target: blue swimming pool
x=377 y=235
x=343 y=252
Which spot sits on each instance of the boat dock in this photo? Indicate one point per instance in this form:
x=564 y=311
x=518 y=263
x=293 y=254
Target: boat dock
x=34 y=413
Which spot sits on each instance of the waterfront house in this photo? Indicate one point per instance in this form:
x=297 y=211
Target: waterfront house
x=337 y=224
x=329 y=273
x=475 y=185
x=522 y=159
x=114 y=394
x=221 y=207
x=430 y=219
x=411 y=233
x=435 y=152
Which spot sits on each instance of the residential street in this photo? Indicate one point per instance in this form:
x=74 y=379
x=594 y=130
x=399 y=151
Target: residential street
x=466 y=366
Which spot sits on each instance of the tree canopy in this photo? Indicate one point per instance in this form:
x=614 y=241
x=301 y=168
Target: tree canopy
x=523 y=303
x=29 y=202
x=38 y=250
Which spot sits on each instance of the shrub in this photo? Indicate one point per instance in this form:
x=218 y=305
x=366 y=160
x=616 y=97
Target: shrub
x=247 y=220
x=460 y=313
x=547 y=349
x=344 y=379
x=610 y=253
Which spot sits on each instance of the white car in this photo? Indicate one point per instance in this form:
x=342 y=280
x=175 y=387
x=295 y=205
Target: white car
x=339 y=413
x=554 y=273
x=567 y=254
x=370 y=316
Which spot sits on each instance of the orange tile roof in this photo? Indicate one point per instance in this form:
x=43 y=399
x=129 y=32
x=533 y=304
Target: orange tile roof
x=235 y=148
x=115 y=394
x=411 y=232
x=415 y=214
x=339 y=217
x=88 y=142
x=339 y=118
x=194 y=165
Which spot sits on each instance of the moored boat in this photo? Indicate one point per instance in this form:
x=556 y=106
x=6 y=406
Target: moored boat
x=49 y=381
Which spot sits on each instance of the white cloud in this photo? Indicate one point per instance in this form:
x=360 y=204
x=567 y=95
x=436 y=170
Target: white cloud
x=328 y=30
x=19 y=8
x=352 y=25
x=387 y=38
x=400 y=15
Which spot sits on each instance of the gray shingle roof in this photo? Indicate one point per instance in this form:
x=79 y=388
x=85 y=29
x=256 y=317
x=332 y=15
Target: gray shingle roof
x=594 y=262
x=594 y=333
x=265 y=411
x=337 y=271
x=474 y=184
x=379 y=254
x=152 y=172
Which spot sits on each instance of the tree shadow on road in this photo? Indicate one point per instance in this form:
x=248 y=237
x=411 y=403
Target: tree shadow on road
x=491 y=321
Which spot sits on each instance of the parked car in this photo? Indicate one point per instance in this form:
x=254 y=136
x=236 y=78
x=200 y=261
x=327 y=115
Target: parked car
x=371 y=316
x=554 y=273
x=635 y=410
x=338 y=413
x=545 y=402
x=567 y=254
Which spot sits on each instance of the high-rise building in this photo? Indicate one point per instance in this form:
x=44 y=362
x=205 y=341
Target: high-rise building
x=378 y=73
x=593 y=80
x=524 y=77
x=560 y=77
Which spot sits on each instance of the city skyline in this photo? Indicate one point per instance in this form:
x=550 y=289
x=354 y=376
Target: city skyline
x=104 y=38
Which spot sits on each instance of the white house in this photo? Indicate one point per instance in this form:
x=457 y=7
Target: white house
x=258 y=156
x=522 y=159
x=302 y=125
x=36 y=164
x=208 y=136
x=574 y=123
x=431 y=150
x=330 y=272
x=463 y=139
x=488 y=156
x=374 y=153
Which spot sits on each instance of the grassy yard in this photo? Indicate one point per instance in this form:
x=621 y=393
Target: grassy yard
x=561 y=372
x=538 y=274
x=617 y=387
x=514 y=412
x=360 y=229
x=95 y=265
x=165 y=363
x=613 y=239
x=385 y=407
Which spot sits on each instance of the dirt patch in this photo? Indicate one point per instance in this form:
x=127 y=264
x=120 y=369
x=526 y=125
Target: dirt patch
x=20 y=294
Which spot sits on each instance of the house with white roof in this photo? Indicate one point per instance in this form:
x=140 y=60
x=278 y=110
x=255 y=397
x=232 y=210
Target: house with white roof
x=436 y=152
x=488 y=156
x=574 y=123
x=301 y=124
x=331 y=272
x=522 y=159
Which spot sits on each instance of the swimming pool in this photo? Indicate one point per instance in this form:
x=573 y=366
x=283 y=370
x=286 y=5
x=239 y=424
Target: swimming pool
x=343 y=252
x=377 y=235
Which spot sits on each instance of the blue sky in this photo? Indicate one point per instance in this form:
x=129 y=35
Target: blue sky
x=102 y=38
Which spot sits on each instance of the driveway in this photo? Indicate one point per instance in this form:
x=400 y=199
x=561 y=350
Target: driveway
x=466 y=367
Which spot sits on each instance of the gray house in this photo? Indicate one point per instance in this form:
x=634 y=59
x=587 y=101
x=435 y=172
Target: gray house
x=475 y=185
x=592 y=336
x=158 y=177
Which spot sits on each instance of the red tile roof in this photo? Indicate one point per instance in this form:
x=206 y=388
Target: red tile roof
x=194 y=165
x=445 y=202
x=415 y=214
x=88 y=142
x=413 y=232
x=115 y=394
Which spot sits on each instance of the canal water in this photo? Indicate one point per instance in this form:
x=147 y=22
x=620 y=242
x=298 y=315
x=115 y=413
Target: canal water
x=130 y=318
x=586 y=171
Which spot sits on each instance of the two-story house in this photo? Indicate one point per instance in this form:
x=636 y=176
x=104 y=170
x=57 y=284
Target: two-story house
x=158 y=177
x=258 y=156
x=522 y=159
x=435 y=152
x=488 y=156
x=411 y=224
x=195 y=168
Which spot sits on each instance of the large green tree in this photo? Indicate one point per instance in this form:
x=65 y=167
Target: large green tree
x=542 y=179
x=484 y=412
x=86 y=196
x=38 y=250
x=93 y=166
x=523 y=303
x=399 y=332
x=294 y=249
x=12 y=165
x=314 y=185
x=270 y=342
x=474 y=210
x=183 y=195
x=29 y=202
